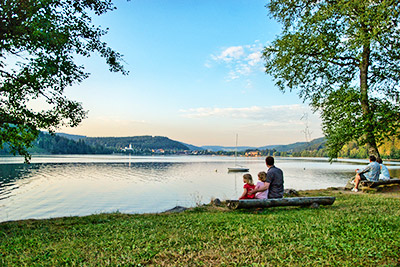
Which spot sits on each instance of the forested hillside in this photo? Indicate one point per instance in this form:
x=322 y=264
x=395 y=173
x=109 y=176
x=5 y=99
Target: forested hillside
x=70 y=144
x=56 y=144
x=389 y=150
x=137 y=143
x=146 y=145
x=315 y=144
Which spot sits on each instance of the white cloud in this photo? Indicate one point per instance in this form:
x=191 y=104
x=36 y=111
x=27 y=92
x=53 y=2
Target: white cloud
x=254 y=112
x=254 y=58
x=285 y=115
x=285 y=121
x=240 y=60
x=230 y=54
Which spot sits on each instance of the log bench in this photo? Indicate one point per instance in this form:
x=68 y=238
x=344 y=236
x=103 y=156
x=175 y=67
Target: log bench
x=371 y=184
x=380 y=182
x=278 y=202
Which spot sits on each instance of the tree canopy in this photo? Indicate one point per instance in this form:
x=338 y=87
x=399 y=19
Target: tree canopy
x=343 y=57
x=39 y=41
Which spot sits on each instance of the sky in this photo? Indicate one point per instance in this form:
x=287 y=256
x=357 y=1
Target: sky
x=195 y=75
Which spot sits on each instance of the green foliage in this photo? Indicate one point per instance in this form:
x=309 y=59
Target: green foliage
x=38 y=42
x=357 y=230
x=390 y=149
x=344 y=58
x=19 y=138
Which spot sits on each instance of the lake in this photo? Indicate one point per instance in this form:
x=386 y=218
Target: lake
x=56 y=186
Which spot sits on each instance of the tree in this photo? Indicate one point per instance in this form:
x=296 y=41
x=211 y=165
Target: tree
x=38 y=42
x=343 y=57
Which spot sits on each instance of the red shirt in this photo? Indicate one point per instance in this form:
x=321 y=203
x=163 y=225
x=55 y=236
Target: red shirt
x=248 y=187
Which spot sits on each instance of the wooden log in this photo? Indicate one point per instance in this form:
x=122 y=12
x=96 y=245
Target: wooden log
x=277 y=202
x=380 y=182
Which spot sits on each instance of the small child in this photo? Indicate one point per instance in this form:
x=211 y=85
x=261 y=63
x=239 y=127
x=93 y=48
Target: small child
x=262 y=177
x=248 y=185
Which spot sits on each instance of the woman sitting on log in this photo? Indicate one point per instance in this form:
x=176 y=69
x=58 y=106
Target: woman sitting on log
x=384 y=176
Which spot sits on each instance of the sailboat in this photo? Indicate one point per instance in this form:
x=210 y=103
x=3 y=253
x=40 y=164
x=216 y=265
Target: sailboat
x=237 y=168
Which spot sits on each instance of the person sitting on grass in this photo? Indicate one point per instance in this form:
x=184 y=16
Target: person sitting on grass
x=262 y=177
x=248 y=186
x=370 y=173
x=384 y=176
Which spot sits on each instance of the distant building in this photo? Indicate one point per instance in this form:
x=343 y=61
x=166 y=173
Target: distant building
x=158 y=151
x=130 y=148
x=252 y=154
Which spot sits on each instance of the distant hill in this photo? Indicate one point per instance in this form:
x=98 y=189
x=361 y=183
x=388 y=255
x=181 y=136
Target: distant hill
x=299 y=146
x=160 y=142
x=62 y=143
x=137 y=142
x=295 y=147
x=58 y=144
x=193 y=148
x=71 y=136
x=147 y=142
x=269 y=147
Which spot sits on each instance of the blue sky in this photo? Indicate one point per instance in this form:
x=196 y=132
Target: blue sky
x=196 y=76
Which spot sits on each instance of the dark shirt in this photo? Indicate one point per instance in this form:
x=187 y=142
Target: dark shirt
x=275 y=179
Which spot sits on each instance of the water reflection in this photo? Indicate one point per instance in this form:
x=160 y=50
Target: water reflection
x=85 y=185
x=11 y=172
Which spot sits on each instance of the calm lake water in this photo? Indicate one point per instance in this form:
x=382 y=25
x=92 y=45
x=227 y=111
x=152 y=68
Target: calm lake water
x=56 y=186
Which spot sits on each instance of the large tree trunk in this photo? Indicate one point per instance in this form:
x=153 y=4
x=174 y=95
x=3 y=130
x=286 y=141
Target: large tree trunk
x=364 y=100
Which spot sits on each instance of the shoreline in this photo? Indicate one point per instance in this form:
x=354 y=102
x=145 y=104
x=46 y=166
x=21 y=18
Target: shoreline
x=223 y=207
x=20 y=159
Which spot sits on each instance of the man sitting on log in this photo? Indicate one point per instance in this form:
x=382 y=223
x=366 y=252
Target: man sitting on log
x=370 y=173
x=274 y=180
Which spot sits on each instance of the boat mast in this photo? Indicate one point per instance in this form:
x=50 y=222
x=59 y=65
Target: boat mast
x=236 y=148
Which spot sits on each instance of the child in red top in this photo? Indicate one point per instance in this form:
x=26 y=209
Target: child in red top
x=248 y=185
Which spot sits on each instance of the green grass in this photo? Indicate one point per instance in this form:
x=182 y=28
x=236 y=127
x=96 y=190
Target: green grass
x=358 y=230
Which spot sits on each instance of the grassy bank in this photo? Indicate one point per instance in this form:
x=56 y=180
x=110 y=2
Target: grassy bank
x=359 y=229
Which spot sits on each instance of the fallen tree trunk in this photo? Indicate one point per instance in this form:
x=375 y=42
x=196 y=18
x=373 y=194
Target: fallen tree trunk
x=277 y=202
x=380 y=182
